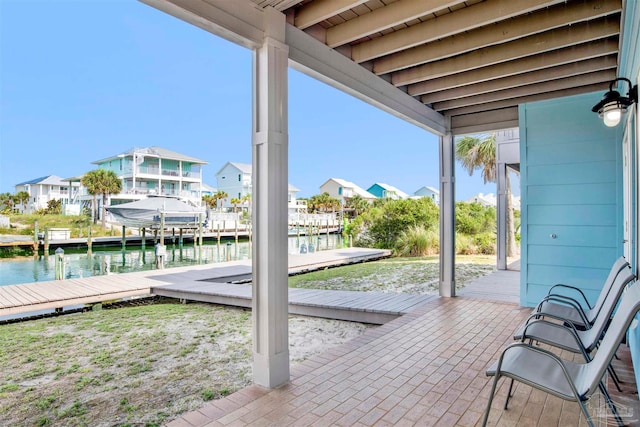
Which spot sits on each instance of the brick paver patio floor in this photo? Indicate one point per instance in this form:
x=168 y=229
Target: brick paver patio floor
x=426 y=368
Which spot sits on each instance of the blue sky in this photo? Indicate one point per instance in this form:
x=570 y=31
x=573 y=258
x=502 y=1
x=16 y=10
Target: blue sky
x=83 y=80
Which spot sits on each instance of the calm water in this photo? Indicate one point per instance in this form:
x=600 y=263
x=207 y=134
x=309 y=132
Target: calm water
x=113 y=261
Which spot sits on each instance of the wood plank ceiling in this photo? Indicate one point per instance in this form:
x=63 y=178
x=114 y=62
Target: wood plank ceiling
x=474 y=60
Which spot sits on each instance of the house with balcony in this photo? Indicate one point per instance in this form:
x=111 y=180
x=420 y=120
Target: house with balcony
x=42 y=190
x=154 y=171
x=386 y=191
x=343 y=190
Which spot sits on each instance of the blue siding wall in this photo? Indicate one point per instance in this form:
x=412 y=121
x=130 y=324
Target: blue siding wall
x=571 y=196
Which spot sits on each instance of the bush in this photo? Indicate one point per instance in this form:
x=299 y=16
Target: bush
x=417 y=241
x=474 y=218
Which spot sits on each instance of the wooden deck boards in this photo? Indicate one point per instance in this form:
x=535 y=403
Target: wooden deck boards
x=29 y=297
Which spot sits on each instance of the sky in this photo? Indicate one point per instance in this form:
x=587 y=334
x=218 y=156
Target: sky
x=81 y=80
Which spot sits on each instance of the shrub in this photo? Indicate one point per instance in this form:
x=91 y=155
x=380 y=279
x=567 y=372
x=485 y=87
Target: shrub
x=474 y=218
x=417 y=241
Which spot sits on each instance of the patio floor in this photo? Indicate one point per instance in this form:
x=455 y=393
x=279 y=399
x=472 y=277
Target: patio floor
x=425 y=368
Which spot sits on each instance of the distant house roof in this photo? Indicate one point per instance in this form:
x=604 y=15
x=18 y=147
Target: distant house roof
x=159 y=152
x=204 y=187
x=390 y=188
x=426 y=187
x=484 y=199
x=242 y=167
x=356 y=189
x=293 y=189
x=46 y=180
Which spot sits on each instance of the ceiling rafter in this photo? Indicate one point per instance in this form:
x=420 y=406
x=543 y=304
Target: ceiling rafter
x=504 y=31
x=496 y=105
x=317 y=11
x=532 y=45
x=527 y=90
x=383 y=18
x=466 y=19
x=547 y=74
x=531 y=63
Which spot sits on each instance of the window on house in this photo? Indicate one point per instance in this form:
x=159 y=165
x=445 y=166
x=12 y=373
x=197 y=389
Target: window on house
x=120 y=164
x=340 y=191
x=239 y=196
x=239 y=177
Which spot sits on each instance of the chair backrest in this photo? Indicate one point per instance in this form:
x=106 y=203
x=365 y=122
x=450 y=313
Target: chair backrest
x=628 y=308
x=609 y=304
x=617 y=267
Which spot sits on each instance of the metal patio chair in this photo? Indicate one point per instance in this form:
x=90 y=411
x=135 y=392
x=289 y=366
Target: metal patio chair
x=568 y=380
x=576 y=309
x=566 y=336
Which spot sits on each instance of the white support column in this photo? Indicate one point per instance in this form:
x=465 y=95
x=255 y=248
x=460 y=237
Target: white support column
x=447 y=216
x=270 y=174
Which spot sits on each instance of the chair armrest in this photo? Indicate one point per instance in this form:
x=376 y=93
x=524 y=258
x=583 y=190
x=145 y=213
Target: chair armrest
x=571 y=328
x=566 y=301
x=562 y=285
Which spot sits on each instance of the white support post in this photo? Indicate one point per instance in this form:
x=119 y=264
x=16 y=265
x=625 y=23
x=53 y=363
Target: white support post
x=270 y=172
x=447 y=216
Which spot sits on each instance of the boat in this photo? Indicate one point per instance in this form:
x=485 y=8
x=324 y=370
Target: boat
x=149 y=213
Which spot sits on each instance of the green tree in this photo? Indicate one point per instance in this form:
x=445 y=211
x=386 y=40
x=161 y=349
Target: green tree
x=382 y=226
x=220 y=196
x=235 y=202
x=358 y=204
x=21 y=198
x=479 y=153
x=323 y=203
x=6 y=202
x=104 y=182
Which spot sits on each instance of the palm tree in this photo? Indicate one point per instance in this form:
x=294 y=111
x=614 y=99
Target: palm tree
x=358 y=203
x=210 y=201
x=21 y=198
x=6 y=202
x=480 y=153
x=247 y=199
x=221 y=195
x=102 y=181
x=235 y=202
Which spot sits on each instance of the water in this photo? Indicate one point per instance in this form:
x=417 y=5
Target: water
x=114 y=261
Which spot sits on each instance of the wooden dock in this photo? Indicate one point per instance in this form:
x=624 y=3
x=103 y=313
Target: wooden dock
x=31 y=297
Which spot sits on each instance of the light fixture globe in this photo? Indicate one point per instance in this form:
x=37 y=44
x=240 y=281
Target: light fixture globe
x=612 y=105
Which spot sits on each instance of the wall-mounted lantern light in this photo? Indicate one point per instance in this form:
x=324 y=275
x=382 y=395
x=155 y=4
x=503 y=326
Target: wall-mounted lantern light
x=613 y=105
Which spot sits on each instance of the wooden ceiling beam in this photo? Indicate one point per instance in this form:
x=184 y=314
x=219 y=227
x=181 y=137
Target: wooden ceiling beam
x=462 y=20
x=502 y=32
x=496 y=105
x=528 y=46
x=317 y=11
x=538 y=62
x=383 y=18
x=485 y=121
x=527 y=90
x=547 y=74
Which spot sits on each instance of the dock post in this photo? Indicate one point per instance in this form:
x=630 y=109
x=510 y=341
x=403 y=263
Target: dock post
x=143 y=242
x=218 y=232
x=36 y=241
x=124 y=238
x=173 y=236
x=162 y=228
x=236 y=230
x=46 y=240
x=180 y=241
x=59 y=264
x=89 y=239
x=200 y=230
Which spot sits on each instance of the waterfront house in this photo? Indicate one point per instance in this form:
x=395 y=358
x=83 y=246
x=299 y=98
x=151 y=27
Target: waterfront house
x=426 y=191
x=42 y=190
x=235 y=179
x=343 y=190
x=153 y=171
x=386 y=191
